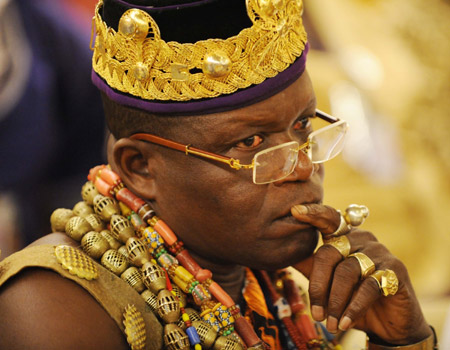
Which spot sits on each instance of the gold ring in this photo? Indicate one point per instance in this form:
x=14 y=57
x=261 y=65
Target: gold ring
x=341 y=243
x=354 y=216
x=366 y=264
x=387 y=281
x=343 y=228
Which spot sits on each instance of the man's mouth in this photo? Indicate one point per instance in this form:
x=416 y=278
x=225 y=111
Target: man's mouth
x=289 y=219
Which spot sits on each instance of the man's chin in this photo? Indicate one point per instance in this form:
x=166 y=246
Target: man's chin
x=284 y=257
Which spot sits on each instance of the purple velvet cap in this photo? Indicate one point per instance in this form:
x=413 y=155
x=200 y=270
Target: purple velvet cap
x=214 y=15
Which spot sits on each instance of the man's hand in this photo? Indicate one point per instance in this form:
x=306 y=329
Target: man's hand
x=338 y=294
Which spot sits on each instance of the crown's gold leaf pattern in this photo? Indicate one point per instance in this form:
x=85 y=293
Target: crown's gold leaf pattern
x=76 y=262
x=134 y=327
x=152 y=69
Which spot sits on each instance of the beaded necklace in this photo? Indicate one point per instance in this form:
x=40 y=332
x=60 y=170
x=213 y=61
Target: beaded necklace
x=140 y=248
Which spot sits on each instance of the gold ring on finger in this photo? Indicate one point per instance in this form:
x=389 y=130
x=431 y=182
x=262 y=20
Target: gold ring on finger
x=341 y=243
x=366 y=264
x=344 y=227
x=387 y=281
x=354 y=216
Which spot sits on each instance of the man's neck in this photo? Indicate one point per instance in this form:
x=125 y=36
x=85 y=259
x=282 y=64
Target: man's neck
x=229 y=277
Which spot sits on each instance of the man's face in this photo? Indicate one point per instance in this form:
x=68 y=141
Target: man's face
x=218 y=212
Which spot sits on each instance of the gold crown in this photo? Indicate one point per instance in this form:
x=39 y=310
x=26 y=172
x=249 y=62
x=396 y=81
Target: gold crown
x=135 y=59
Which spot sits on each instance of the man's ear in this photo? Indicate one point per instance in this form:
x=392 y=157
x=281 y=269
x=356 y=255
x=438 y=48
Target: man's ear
x=131 y=160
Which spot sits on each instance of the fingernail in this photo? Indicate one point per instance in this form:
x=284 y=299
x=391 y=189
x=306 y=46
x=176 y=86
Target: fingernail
x=332 y=324
x=345 y=323
x=300 y=209
x=317 y=312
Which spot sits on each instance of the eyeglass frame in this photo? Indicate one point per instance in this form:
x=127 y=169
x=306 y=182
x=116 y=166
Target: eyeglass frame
x=232 y=162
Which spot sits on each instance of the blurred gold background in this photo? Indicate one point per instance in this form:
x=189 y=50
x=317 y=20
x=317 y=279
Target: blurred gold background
x=384 y=66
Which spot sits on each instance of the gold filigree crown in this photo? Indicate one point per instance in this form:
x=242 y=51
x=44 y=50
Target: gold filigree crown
x=135 y=60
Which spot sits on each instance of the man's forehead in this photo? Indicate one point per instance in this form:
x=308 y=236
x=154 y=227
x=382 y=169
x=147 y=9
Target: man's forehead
x=295 y=99
x=270 y=114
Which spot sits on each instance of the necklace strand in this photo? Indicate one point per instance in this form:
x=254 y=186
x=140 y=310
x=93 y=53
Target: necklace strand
x=167 y=270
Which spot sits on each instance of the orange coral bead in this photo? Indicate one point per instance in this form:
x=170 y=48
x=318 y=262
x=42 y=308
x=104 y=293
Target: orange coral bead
x=306 y=327
x=94 y=172
x=246 y=332
x=110 y=176
x=103 y=187
x=220 y=294
x=130 y=199
x=165 y=232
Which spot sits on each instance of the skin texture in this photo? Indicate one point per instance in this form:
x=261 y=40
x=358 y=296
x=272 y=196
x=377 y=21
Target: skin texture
x=227 y=222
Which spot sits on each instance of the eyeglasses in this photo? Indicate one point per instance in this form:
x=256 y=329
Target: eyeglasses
x=274 y=163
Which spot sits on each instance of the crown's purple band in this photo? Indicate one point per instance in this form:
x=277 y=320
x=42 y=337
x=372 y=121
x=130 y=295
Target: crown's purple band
x=223 y=103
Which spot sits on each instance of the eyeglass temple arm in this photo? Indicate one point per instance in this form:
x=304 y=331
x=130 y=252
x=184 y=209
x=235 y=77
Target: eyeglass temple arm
x=326 y=116
x=187 y=149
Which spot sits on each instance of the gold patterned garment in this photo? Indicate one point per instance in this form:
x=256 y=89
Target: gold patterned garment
x=123 y=304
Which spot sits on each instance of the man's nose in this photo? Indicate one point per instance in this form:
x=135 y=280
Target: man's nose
x=302 y=171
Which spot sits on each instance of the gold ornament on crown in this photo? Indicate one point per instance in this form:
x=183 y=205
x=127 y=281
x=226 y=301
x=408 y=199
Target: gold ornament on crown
x=135 y=59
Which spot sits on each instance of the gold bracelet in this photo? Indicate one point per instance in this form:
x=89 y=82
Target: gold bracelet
x=429 y=343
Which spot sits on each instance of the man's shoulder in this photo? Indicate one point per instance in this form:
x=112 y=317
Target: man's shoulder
x=42 y=309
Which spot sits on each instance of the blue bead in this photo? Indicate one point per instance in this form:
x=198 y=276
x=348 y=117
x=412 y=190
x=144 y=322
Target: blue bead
x=193 y=335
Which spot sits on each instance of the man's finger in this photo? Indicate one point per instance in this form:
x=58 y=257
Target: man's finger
x=325 y=218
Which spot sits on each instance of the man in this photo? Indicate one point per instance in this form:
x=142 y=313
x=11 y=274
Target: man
x=236 y=107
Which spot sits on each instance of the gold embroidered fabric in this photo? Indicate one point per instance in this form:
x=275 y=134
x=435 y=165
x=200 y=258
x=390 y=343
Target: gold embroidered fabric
x=134 y=327
x=135 y=60
x=76 y=262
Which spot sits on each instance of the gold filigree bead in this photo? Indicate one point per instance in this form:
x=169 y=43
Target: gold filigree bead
x=168 y=306
x=206 y=332
x=193 y=316
x=94 y=244
x=175 y=338
x=106 y=207
x=151 y=299
x=133 y=277
x=82 y=209
x=59 y=218
x=113 y=243
x=76 y=262
x=227 y=343
x=216 y=64
x=95 y=221
x=134 y=328
x=123 y=250
x=121 y=228
x=137 y=252
x=88 y=192
x=77 y=227
x=114 y=261
x=134 y=23
x=140 y=71
x=153 y=277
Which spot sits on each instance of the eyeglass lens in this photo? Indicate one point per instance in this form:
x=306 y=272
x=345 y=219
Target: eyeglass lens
x=278 y=162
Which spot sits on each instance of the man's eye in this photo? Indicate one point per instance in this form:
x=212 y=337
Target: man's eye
x=302 y=124
x=250 y=142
